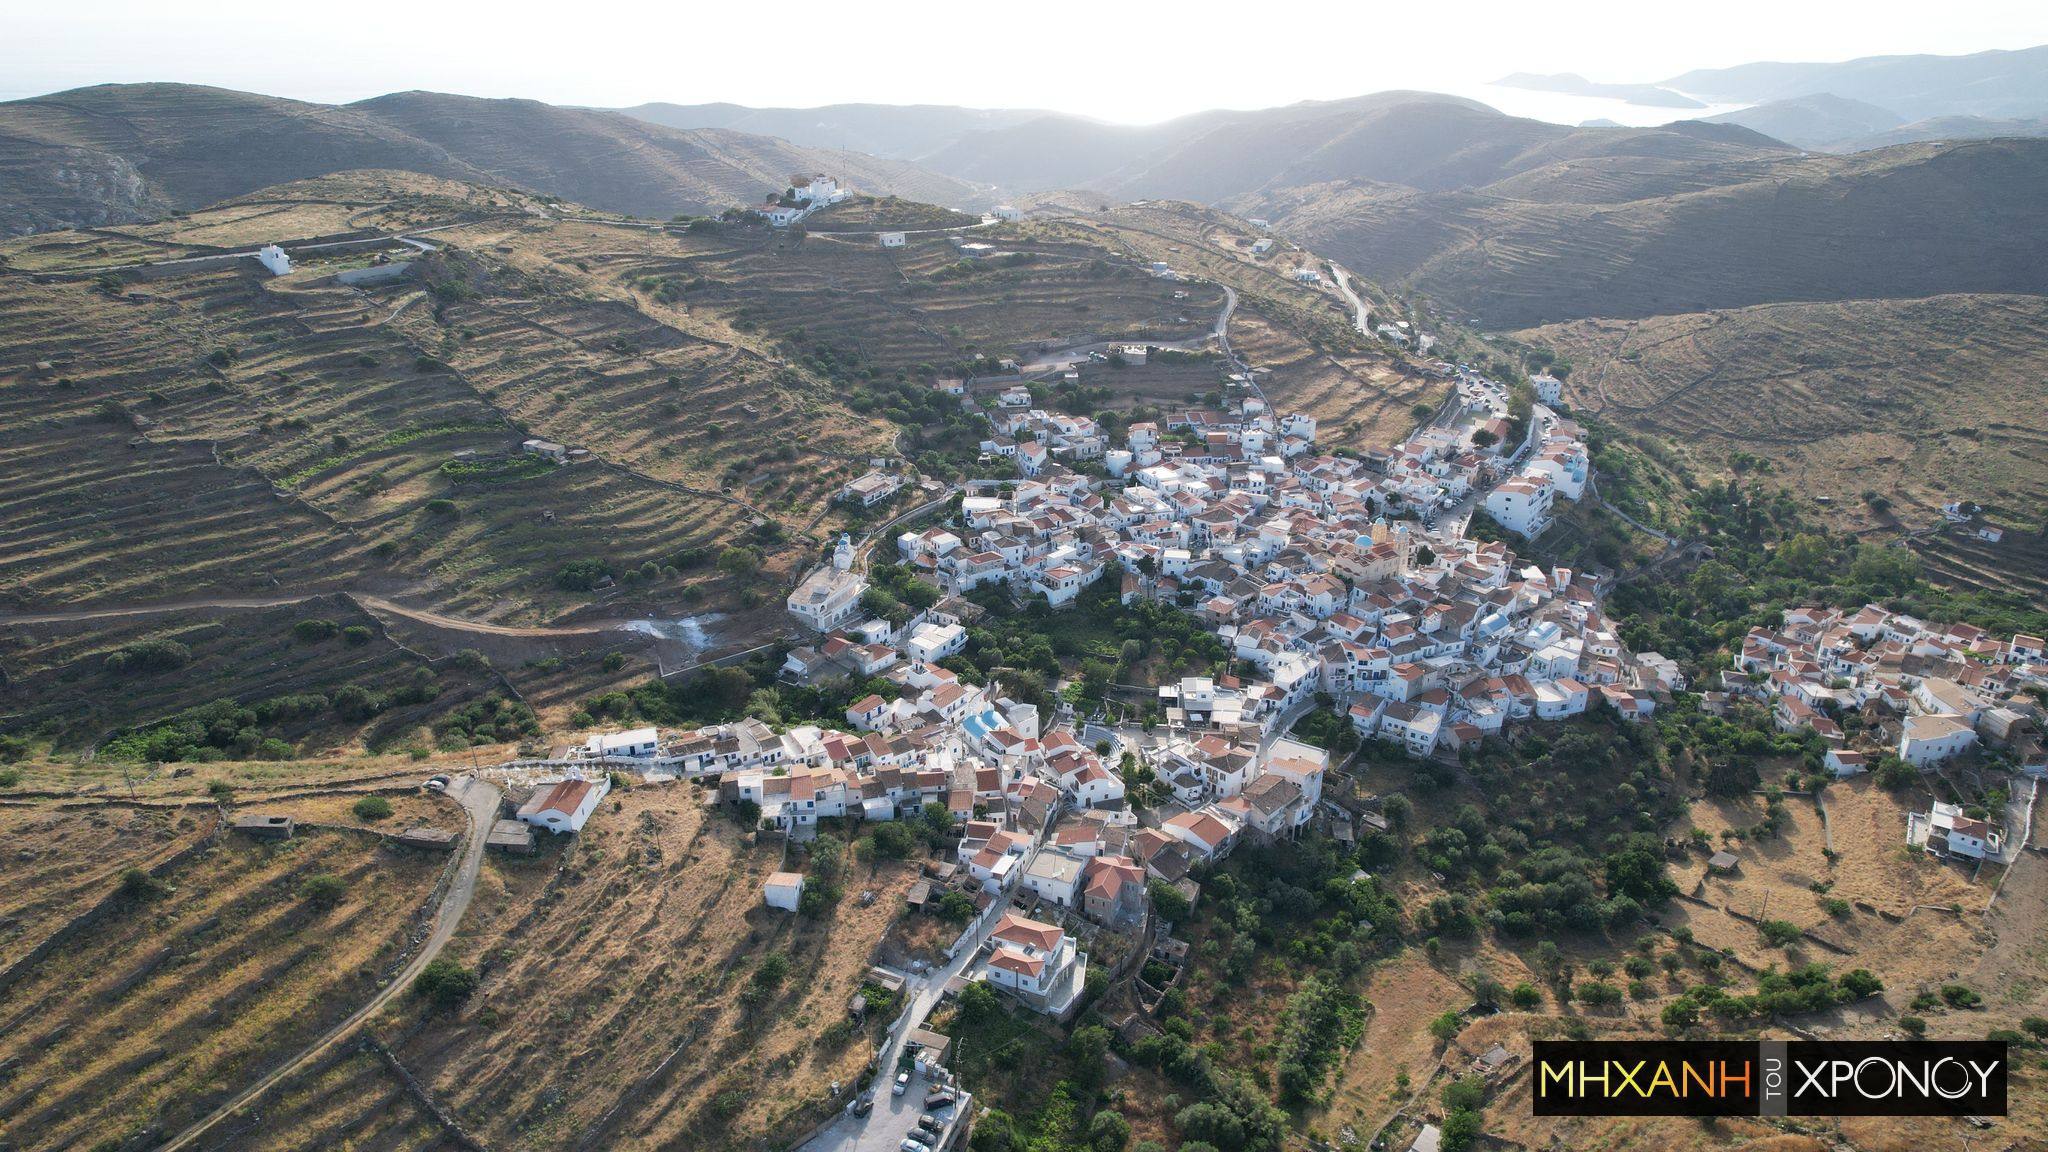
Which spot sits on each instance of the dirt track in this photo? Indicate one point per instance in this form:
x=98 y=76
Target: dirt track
x=368 y=603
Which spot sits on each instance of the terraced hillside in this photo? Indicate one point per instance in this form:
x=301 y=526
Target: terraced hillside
x=196 y=981
x=636 y=994
x=1922 y=402
x=75 y=683
x=205 y=434
x=1300 y=337
x=1632 y=236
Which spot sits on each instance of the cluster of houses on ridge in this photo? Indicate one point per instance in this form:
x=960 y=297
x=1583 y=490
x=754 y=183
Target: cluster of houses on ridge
x=1927 y=693
x=1934 y=691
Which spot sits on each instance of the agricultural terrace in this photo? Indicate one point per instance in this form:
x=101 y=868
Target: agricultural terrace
x=199 y=978
x=637 y=992
x=1316 y=362
x=315 y=677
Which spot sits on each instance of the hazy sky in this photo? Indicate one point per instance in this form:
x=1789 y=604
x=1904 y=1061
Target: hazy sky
x=1132 y=62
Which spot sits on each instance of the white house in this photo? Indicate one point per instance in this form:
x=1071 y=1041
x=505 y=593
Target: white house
x=892 y=239
x=871 y=489
x=1006 y=212
x=1055 y=876
x=1037 y=962
x=827 y=598
x=274 y=258
x=1208 y=831
x=819 y=189
x=1929 y=740
x=565 y=805
x=1062 y=584
x=1549 y=389
x=638 y=743
x=1951 y=832
x=931 y=643
x=783 y=890
x=1522 y=505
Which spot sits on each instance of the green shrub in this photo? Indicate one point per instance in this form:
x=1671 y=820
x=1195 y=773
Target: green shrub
x=1958 y=996
x=357 y=634
x=149 y=656
x=372 y=808
x=314 y=631
x=444 y=983
x=324 y=890
x=1914 y=1025
x=139 y=887
x=1778 y=933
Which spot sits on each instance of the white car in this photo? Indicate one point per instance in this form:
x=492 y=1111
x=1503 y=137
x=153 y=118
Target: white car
x=902 y=1084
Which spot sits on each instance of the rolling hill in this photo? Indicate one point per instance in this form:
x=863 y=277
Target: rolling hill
x=1993 y=84
x=1630 y=237
x=120 y=153
x=1920 y=401
x=1823 y=121
x=896 y=131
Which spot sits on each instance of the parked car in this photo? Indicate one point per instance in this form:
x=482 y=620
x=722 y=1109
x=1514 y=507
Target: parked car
x=931 y=1123
x=910 y=1145
x=864 y=1103
x=943 y=1098
x=437 y=784
x=902 y=1084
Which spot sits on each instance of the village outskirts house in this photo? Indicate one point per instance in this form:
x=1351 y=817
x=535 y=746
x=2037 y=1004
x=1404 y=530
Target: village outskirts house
x=565 y=805
x=1036 y=962
x=783 y=890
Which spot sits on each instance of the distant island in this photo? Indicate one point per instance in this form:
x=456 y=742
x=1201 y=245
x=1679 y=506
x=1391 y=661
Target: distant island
x=1576 y=85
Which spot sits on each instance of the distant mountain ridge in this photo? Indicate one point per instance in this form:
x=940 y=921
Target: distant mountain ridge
x=122 y=152
x=893 y=131
x=1571 y=83
x=1996 y=85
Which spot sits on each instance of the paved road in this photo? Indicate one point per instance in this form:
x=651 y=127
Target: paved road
x=480 y=800
x=1362 y=311
x=894 y=1116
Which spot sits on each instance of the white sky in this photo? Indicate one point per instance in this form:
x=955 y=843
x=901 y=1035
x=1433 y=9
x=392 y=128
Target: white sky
x=1134 y=62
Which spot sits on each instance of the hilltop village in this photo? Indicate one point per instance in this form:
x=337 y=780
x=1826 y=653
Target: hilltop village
x=1338 y=577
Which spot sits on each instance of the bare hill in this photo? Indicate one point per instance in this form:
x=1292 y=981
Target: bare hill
x=1996 y=84
x=898 y=131
x=123 y=152
x=1634 y=237
x=1824 y=121
x=1920 y=401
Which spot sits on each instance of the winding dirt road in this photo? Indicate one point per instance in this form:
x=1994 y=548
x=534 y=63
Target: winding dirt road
x=480 y=800
x=363 y=600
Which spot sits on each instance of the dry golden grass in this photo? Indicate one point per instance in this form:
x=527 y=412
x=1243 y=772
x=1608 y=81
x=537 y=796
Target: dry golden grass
x=350 y=1103
x=1872 y=867
x=1407 y=992
x=151 y=1017
x=408 y=810
x=62 y=860
x=647 y=946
